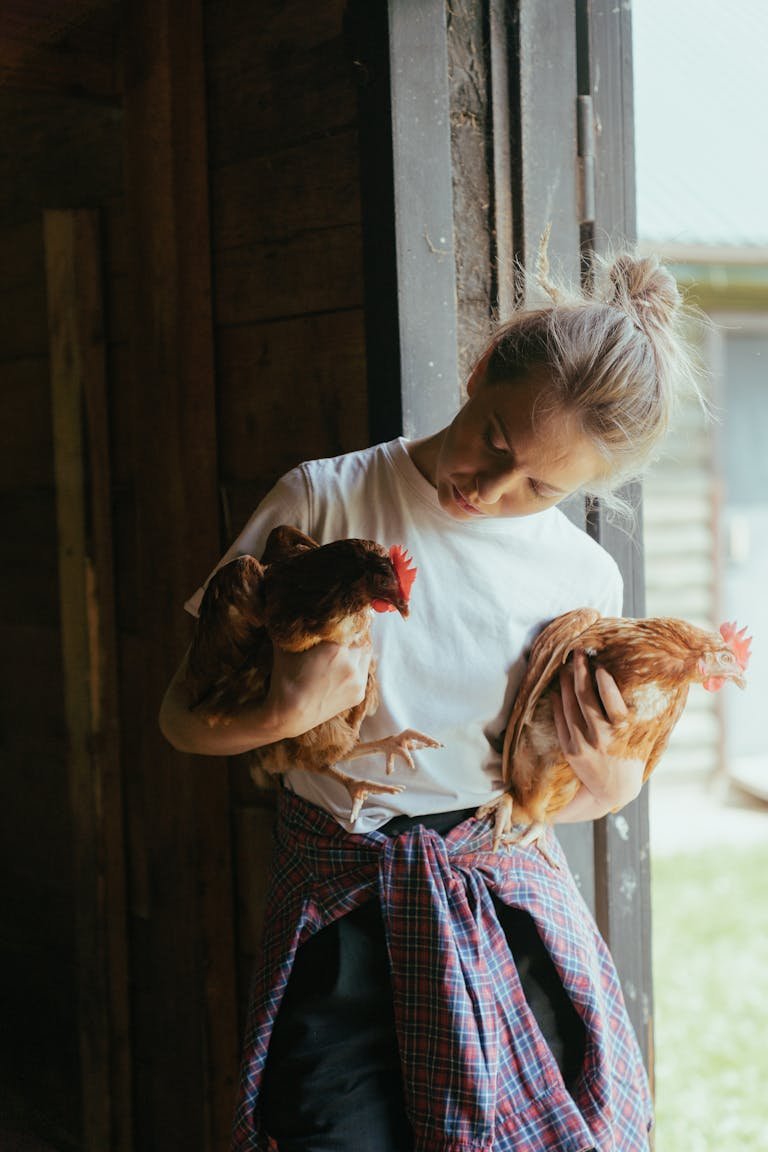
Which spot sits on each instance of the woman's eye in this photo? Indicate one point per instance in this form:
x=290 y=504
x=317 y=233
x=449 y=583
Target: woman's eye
x=537 y=489
x=494 y=442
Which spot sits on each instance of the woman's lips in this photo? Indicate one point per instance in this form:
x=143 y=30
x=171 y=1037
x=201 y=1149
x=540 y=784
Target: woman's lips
x=464 y=504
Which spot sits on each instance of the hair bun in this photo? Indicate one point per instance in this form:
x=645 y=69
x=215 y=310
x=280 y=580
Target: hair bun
x=645 y=289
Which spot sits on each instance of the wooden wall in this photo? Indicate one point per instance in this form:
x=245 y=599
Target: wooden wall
x=224 y=145
x=54 y=153
x=287 y=243
x=284 y=236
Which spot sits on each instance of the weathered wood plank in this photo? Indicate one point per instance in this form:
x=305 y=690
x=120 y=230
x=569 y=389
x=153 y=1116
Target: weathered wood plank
x=23 y=333
x=254 y=849
x=472 y=150
x=287 y=192
x=547 y=79
x=542 y=70
x=39 y=68
x=367 y=35
x=316 y=272
x=305 y=375
x=30 y=577
x=423 y=204
x=23 y=255
x=30 y=687
x=276 y=72
x=184 y=1012
x=67 y=49
x=506 y=130
x=48 y=143
x=621 y=841
x=26 y=454
x=81 y=459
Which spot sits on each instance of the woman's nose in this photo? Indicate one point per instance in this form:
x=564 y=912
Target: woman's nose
x=491 y=486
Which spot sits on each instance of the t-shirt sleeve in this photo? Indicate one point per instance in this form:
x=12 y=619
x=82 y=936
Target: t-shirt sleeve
x=612 y=597
x=286 y=503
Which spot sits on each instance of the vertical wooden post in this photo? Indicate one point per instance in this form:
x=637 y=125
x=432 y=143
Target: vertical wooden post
x=83 y=506
x=506 y=132
x=547 y=100
x=423 y=203
x=622 y=864
x=543 y=99
x=185 y=1031
x=400 y=52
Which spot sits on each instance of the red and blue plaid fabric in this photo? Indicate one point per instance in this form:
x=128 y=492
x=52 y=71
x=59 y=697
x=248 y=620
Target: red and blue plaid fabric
x=478 y=1074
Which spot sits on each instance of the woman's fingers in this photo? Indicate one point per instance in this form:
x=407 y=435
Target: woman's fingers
x=561 y=725
x=611 y=698
x=585 y=714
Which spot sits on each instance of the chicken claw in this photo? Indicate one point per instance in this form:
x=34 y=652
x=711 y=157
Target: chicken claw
x=504 y=833
x=399 y=745
x=502 y=825
x=533 y=834
x=360 y=789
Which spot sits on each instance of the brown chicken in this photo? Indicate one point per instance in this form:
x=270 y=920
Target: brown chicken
x=299 y=595
x=653 y=661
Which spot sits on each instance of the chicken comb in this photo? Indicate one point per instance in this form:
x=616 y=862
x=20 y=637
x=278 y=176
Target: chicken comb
x=404 y=570
x=738 y=642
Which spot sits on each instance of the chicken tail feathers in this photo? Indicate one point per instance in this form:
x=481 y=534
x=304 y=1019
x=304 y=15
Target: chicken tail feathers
x=231 y=615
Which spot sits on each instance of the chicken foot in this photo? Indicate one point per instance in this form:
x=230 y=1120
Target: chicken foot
x=504 y=832
x=392 y=746
x=359 y=789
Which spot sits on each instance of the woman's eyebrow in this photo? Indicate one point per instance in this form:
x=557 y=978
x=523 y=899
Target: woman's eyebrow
x=505 y=433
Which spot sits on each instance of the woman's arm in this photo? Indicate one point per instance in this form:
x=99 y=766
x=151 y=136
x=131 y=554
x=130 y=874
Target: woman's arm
x=585 y=726
x=306 y=689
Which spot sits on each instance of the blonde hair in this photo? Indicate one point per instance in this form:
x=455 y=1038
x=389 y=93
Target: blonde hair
x=616 y=357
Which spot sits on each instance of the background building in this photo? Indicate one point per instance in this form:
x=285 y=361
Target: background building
x=700 y=88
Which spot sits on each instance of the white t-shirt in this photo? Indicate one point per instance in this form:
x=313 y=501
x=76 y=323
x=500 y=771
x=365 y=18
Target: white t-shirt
x=483 y=591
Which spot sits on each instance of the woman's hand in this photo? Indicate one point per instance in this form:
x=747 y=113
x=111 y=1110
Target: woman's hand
x=587 y=727
x=307 y=688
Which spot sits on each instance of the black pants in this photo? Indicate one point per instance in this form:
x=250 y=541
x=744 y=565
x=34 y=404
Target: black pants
x=333 y=1081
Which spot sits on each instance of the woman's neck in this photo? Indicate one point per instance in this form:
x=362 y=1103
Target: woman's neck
x=424 y=454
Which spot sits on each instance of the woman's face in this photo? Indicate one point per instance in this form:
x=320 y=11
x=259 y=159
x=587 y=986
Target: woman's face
x=498 y=458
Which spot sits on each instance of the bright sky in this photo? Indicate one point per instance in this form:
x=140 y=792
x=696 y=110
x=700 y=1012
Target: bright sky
x=701 y=120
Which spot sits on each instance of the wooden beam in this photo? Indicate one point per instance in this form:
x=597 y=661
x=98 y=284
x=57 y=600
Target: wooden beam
x=542 y=128
x=622 y=846
x=65 y=47
x=399 y=51
x=423 y=213
x=547 y=134
x=506 y=129
x=182 y=899
x=81 y=76
x=89 y=653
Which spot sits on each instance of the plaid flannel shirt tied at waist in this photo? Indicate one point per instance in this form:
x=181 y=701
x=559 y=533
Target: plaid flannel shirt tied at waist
x=477 y=1072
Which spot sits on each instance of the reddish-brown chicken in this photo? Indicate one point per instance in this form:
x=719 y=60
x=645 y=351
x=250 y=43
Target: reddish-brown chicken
x=299 y=595
x=653 y=661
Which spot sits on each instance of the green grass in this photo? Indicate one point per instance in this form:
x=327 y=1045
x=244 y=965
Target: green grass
x=710 y=955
